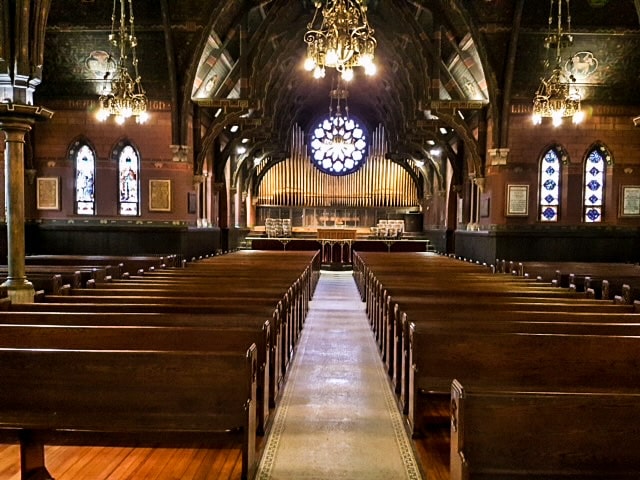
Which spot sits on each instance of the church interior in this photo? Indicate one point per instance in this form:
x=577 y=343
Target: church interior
x=451 y=148
x=425 y=147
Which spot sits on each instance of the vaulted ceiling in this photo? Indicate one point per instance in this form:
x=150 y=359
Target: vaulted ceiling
x=441 y=63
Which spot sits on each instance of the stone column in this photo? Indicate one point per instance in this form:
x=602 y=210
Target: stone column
x=15 y=122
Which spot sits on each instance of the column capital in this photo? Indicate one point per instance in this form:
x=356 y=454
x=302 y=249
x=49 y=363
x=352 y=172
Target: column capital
x=19 y=117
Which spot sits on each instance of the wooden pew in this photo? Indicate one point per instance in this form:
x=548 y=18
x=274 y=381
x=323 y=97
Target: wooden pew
x=552 y=360
x=382 y=303
x=287 y=323
x=109 y=396
x=495 y=347
x=130 y=263
x=46 y=282
x=224 y=311
x=543 y=434
x=71 y=276
x=472 y=311
x=87 y=272
x=456 y=285
x=293 y=298
x=587 y=275
x=547 y=269
x=214 y=288
x=155 y=331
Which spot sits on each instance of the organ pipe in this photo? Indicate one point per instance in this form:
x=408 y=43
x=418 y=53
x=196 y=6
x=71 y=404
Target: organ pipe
x=295 y=181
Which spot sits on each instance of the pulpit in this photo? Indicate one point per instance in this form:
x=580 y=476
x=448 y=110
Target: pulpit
x=336 y=245
x=337 y=233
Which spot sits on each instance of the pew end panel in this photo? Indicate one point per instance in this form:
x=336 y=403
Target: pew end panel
x=543 y=435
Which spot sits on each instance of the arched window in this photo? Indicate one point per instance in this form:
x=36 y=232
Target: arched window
x=84 y=160
x=595 y=169
x=128 y=179
x=549 y=191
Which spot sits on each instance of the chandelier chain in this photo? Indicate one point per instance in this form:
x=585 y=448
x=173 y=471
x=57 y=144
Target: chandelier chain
x=123 y=95
x=557 y=95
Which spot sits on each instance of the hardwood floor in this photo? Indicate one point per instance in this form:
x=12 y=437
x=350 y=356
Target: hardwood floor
x=115 y=463
x=432 y=452
x=222 y=463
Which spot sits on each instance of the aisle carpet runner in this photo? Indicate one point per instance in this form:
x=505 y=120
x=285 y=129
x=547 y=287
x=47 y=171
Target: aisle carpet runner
x=338 y=417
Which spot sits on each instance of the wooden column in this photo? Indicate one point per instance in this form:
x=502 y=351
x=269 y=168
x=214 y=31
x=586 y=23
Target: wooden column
x=15 y=122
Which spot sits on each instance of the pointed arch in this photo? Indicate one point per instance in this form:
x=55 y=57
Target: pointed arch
x=82 y=155
x=595 y=165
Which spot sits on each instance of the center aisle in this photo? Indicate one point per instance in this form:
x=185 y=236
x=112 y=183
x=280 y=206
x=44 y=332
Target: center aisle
x=338 y=418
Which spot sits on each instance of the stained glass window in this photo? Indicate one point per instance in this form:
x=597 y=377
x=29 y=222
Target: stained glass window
x=338 y=145
x=550 y=167
x=594 y=173
x=85 y=165
x=129 y=181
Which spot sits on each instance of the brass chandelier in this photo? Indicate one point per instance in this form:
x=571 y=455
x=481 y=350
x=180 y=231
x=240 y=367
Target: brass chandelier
x=342 y=40
x=557 y=96
x=123 y=95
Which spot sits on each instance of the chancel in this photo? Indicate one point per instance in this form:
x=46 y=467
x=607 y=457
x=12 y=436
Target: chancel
x=319 y=239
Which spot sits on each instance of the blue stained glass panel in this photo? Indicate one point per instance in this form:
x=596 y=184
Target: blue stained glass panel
x=594 y=185
x=593 y=215
x=593 y=188
x=549 y=186
x=549 y=214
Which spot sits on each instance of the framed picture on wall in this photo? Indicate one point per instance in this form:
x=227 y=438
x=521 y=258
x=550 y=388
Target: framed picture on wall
x=48 y=193
x=630 y=201
x=159 y=195
x=517 y=200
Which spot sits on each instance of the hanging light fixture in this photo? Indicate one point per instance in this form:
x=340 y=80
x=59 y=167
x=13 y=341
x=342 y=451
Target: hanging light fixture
x=338 y=142
x=123 y=95
x=343 y=39
x=557 y=96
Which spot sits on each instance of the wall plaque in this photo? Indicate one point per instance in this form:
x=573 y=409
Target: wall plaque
x=159 y=195
x=630 y=201
x=48 y=193
x=518 y=200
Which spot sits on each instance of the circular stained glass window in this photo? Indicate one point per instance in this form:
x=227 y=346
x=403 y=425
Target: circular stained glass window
x=338 y=145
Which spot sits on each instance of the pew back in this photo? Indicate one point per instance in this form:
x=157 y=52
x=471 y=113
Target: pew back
x=550 y=435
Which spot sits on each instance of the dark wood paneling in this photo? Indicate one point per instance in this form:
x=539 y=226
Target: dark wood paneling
x=550 y=244
x=121 y=240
